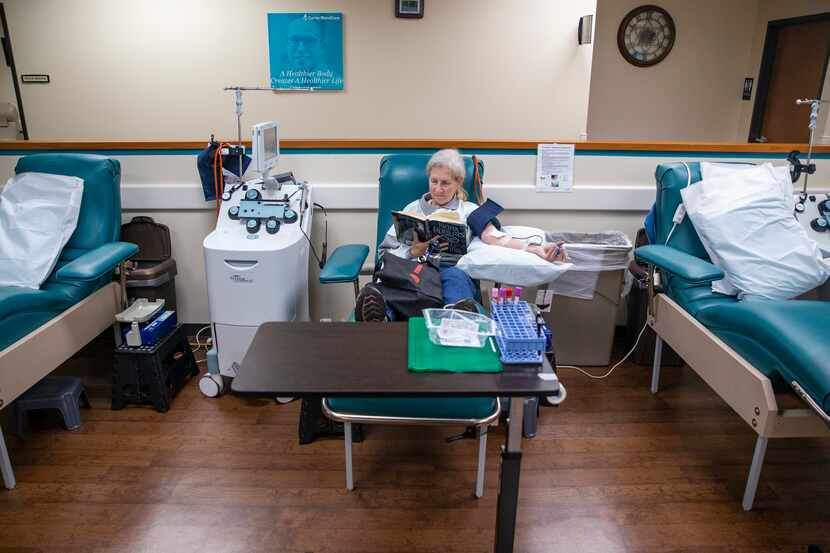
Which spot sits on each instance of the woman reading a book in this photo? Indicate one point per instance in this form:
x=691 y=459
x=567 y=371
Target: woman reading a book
x=446 y=204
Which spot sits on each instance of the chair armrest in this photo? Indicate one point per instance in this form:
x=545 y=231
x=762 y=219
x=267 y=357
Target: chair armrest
x=98 y=262
x=344 y=264
x=684 y=265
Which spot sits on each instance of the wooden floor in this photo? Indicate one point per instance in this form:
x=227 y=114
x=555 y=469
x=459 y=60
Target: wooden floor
x=613 y=469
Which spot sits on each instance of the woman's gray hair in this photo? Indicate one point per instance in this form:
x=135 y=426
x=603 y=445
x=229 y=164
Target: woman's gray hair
x=450 y=159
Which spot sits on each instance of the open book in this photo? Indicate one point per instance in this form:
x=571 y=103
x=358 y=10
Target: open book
x=447 y=225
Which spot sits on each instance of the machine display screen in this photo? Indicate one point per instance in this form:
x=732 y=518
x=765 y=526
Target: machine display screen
x=269 y=139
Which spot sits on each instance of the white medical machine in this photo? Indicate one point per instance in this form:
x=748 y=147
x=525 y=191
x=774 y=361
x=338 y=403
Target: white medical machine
x=256 y=259
x=812 y=210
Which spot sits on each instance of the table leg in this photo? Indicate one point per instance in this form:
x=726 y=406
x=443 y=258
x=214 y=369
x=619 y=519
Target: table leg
x=511 y=464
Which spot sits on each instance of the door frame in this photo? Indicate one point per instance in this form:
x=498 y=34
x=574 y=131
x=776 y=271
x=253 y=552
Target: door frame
x=767 y=62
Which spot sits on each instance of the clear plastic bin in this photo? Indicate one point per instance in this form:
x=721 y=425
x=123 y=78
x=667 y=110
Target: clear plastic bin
x=450 y=327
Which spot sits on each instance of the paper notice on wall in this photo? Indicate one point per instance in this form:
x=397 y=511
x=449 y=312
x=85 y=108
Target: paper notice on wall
x=554 y=168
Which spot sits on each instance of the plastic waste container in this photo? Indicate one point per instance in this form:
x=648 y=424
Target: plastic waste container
x=153 y=273
x=586 y=299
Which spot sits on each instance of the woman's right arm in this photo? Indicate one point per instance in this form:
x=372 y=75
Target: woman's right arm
x=547 y=251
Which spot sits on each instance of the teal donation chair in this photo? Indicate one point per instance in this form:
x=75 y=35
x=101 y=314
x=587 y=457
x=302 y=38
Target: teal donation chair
x=753 y=354
x=403 y=178
x=40 y=329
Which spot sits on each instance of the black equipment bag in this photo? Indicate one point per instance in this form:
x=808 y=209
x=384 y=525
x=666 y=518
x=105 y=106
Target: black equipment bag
x=408 y=286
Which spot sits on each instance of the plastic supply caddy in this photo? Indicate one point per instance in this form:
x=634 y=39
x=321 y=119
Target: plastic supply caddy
x=154 y=271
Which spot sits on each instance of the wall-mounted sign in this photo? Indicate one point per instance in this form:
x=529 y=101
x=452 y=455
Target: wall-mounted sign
x=747 y=95
x=39 y=78
x=555 y=167
x=306 y=51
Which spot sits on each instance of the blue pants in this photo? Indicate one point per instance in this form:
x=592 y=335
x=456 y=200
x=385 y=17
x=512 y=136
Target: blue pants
x=455 y=284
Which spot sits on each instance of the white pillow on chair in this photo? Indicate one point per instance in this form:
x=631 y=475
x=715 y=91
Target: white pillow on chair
x=710 y=170
x=38 y=214
x=747 y=226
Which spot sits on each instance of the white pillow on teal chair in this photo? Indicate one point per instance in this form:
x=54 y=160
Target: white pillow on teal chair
x=38 y=214
x=746 y=223
x=711 y=170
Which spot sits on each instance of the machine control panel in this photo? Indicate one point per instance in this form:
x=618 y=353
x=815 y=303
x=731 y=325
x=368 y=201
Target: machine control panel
x=271 y=212
x=263 y=209
x=813 y=213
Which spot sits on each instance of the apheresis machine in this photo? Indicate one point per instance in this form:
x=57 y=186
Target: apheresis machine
x=256 y=259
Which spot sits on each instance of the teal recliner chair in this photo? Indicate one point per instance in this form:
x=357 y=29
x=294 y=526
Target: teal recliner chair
x=752 y=353
x=40 y=329
x=403 y=178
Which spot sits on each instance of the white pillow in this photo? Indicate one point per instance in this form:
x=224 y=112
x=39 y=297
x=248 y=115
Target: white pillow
x=709 y=170
x=508 y=266
x=746 y=224
x=38 y=214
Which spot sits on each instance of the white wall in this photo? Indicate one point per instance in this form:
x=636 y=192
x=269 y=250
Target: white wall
x=770 y=10
x=693 y=94
x=150 y=69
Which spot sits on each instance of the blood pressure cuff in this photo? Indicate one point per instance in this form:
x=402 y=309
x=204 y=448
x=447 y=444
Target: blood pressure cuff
x=205 y=166
x=204 y=163
x=484 y=215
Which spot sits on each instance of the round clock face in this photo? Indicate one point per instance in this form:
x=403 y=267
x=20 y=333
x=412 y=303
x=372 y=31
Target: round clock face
x=646 y=35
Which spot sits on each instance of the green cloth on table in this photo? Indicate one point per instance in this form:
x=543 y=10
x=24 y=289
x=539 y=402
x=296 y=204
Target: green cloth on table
x=424 y=356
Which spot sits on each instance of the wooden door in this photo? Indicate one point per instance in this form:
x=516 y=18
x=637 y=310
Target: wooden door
x=799 y=53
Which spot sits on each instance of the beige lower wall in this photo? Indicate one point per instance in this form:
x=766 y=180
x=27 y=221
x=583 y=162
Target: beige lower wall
x=611 y=192
x=188 y=229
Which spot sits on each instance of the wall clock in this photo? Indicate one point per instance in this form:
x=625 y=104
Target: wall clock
x=646 y=36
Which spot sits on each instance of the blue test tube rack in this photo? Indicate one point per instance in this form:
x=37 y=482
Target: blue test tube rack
x=517 y=333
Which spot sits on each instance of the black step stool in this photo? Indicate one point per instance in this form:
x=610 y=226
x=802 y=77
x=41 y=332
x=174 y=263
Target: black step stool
x=152 y=375
x=64 y=393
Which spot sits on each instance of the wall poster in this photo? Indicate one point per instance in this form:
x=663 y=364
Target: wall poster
x=306 y=51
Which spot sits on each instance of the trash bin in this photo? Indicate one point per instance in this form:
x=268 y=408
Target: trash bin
x=586 y=299
x=153 y=273
x=637 y=312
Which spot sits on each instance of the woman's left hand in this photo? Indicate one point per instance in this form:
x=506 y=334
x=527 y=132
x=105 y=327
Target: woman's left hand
x=550 y=252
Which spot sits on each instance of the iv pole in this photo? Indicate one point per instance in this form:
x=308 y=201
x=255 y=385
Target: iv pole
x=814 y=109
x=237 y=90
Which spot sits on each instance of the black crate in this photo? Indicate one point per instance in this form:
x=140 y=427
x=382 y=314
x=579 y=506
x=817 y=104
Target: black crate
x=152 y=375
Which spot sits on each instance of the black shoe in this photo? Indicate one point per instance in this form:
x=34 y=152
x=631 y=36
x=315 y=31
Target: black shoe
x=370 y=306
x=466 y=304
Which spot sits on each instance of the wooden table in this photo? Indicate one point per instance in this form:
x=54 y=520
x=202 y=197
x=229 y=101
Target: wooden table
x=370 y=360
